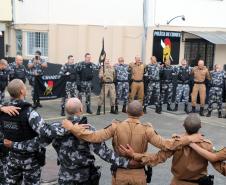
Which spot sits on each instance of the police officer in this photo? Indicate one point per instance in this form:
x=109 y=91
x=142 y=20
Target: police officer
x=137 y=73
x=166 y=76
x=71 y=89
x=107 y=78
x=36 y=66
x=122 y=83
x=4 y=78
x=183 y=73
x=18 y=70
x=200 y=74
x=77 y=163
x=130 y=131
x=153 y=86
x=216 y=90
x=185 y=158
x=86 y=71
x=25 y=126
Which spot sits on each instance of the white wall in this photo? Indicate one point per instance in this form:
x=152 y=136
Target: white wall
x=5 y=10
x=201 y=13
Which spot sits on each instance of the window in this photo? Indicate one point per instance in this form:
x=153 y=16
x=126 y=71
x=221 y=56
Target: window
x=19 y=42
x=196 y=49
x=37 y=41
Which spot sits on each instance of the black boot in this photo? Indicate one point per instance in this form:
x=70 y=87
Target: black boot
x=62 y=112
x=124 y=108
x=186 y=108
x=208 y=114
x=158 y=109
x=98 y=110
x=88 y=110
x=193 y=109
x=220 y=114
x=176 y=107
x=39 y=104
x=116 y=109
x=112 y=110
x=145 y=110
x=168 y=107
x=201 y=111
x=35 y=105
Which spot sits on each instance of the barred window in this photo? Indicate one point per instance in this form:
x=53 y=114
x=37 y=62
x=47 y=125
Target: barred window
x=37 y=41
x=19 y=42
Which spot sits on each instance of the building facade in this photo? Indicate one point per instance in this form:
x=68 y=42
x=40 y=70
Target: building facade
x=75 y=27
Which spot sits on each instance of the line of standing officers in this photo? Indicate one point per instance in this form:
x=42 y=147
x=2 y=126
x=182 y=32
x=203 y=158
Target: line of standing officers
x=151 y=83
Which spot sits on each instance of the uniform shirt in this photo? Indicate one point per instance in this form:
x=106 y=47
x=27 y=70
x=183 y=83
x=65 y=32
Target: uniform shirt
x=109 y=73
x=167 y=72
x=137 y=71
x=187 y=164
x=217 y=78
x=69 y=70
x=4 y=77
x=152 y=72
x=200 y=75
x=37 y=68
x=122 y=72
x=132 y=132
x=72 y=152
x=18 y=69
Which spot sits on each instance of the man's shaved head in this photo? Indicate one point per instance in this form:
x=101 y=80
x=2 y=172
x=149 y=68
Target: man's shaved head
x=15 y=87
x=73 y=106
x=192 y=123
x=135 y=109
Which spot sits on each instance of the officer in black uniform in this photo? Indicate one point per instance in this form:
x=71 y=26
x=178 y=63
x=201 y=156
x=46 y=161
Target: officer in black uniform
x=18 y=70
x=86 y=71
x=71 y=90
x=4 y=77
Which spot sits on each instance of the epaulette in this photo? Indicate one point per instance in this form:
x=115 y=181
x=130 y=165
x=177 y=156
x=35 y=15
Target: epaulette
x=147 y=124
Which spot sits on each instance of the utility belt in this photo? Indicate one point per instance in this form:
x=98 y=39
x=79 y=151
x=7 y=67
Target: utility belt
x=218 y=86
x=122 y=80
x=183 y=82
x=199 y=82
x=138 y=81
x=107 y=82
x=205 y=180
x=147 y=170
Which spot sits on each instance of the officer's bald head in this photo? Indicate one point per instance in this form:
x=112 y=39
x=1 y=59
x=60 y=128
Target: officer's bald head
x=192 y=123
x=73 y=106
x=16 y=89
x=135 y=109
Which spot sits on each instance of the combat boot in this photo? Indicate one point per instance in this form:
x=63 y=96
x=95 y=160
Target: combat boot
x=168 y=107
x=220 y=114
x=186 y=108
x=193 y=109
x=116 y=109
x=88 y=110
x=62 y=112
x=201 y=111
x=98 y=110
x=35 y=105
x=158 y=109
x=208 y=114
x=124 y=108
x=145 y=110
x=112 y=110
x=176 y=107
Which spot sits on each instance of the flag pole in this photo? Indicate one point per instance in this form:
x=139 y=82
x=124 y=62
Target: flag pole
x=103 y=75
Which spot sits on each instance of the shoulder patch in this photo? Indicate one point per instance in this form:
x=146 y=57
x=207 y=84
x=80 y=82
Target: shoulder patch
x=147 y=124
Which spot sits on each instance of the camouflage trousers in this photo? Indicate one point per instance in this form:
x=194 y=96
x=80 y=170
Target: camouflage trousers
x=20 y=168
x=122 y=92
x=182 y=93
x=215 y=96
x=153 y=89
x=166 y=93
x=109 y=89
x=85 y=89
x=2 y=96
x=2 y=170
x=73 y=176
x=71 y=91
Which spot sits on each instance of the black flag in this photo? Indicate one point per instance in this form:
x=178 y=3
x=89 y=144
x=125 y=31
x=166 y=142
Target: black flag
x=102 y=54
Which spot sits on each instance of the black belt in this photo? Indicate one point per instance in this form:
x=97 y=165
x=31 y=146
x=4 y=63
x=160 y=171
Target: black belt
x=122 y=81
x=107 y=82
x=137 y=81
x=199 y=82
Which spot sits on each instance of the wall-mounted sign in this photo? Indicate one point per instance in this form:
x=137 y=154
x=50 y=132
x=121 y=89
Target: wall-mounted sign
x=166 y=45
